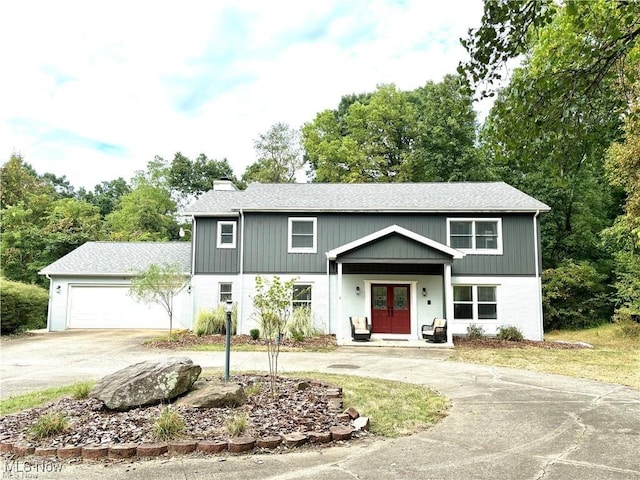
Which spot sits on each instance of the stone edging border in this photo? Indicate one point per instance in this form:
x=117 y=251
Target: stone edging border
x=182 y=447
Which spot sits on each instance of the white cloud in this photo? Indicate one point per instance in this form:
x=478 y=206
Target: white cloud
x=96 y=90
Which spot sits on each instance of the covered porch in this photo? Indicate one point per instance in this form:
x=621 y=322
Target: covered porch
x=396 y=278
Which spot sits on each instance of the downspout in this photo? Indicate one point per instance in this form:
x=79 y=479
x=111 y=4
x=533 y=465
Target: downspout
x=328 y=297
x=240 y=303
x=537 y=270
x=193 y=269
x=50 y=302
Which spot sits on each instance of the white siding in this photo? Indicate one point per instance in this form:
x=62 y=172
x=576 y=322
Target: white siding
x=107 y=314
x=422 y=311
x=518 y=305
x=205 y=290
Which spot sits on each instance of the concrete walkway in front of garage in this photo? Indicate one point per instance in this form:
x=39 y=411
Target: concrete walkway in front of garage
x=503 y=423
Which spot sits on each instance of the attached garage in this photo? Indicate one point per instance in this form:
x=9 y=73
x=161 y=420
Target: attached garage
x=111 y=307
x=90 y=286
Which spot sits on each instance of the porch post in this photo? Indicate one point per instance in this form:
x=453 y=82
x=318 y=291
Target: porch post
x=339 y=321
x=448 y=302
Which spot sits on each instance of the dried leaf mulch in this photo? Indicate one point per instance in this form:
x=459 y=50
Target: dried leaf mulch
x=185 y=340
x=496 y=343
x=90 y=423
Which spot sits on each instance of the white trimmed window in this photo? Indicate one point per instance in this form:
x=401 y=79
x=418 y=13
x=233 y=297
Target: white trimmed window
x=226 y=234
x=224 y=292
x=475 y=302
x=301 y=296
x=302 y=235
x=480 y=236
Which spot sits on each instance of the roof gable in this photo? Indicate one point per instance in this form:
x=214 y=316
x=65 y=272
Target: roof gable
x=394 y=229
x=396 y=247
x=367 y=197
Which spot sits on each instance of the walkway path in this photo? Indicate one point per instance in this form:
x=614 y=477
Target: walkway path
x=503 y=424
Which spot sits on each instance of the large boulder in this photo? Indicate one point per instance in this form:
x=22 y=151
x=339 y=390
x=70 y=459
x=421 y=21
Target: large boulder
x=214 y=395
x=146 y=383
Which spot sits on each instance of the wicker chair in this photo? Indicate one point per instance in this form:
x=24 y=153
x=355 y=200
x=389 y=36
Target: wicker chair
x=436 y=331
x=360 y=329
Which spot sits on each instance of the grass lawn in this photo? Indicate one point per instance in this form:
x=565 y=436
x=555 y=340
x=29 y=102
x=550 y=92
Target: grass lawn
x=613 y=358
x=378 y=399
x=15 y=403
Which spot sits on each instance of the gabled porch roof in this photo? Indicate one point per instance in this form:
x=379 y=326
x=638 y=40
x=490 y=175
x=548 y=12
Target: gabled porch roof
x=391 y=230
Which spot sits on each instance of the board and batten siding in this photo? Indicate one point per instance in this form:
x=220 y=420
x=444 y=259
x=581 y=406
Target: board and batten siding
x=265 y=247
x=517 y=251
x=266 y=237
x=208 y=257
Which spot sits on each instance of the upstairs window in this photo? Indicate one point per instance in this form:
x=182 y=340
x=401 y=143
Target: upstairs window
x=301 y=296
x=475 y=302
x=302 y=235
x=226 y=234
x=481 y=236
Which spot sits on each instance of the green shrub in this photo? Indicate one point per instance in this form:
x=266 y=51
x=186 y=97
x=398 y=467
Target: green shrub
x=236 y=424
x=574 y=296
x=475 y=331
x=205 y=323
x=214 y=322
x=255 y=333
x=81 y=390
x=48 y=425
x=24 y=307
x=627 y=326
x=511 y=333
x=300 y=326
x=168 y=425
x=253 y=390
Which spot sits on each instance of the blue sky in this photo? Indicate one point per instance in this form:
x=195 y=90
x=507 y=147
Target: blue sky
x=95 y=90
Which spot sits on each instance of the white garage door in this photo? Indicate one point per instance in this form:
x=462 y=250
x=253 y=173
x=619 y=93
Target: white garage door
x=112 y=307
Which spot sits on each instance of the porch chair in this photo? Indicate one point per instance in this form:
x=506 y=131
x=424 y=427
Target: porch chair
x=360 y=329
x=436 y=331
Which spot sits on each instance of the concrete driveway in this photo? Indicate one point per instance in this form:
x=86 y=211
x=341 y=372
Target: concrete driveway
x=503 y=424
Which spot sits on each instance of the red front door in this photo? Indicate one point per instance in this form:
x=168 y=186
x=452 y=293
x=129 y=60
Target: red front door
x=390 y=312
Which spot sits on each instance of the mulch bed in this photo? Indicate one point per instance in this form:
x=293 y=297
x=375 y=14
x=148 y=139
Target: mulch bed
x=292 y=410
x=187 y=339
x=481 y=343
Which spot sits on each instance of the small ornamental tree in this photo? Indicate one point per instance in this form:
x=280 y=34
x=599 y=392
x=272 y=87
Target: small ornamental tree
x=272 y=302
x=159 y=284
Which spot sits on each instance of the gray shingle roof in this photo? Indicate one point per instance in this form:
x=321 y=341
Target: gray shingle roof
x=372 y=197
x=120 y=258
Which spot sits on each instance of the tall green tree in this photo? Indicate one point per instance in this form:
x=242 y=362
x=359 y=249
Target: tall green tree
x=279 y=155
x=147 y=213
x=194 y=177
x=622 y=239
x=18 y=181
x=549 y=138
x=427 y=134
x=37 y=233
x=60 y=185
x=106 y=195
x=509 y=28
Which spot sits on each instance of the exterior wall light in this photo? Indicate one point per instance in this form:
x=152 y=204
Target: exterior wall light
x=357 y=290
x=424 y=292
x=58 y=289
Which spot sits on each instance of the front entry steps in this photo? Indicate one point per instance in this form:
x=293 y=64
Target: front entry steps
x=402 y=343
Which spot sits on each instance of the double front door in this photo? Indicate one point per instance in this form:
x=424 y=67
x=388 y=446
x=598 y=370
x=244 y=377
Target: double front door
x=390 y=311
